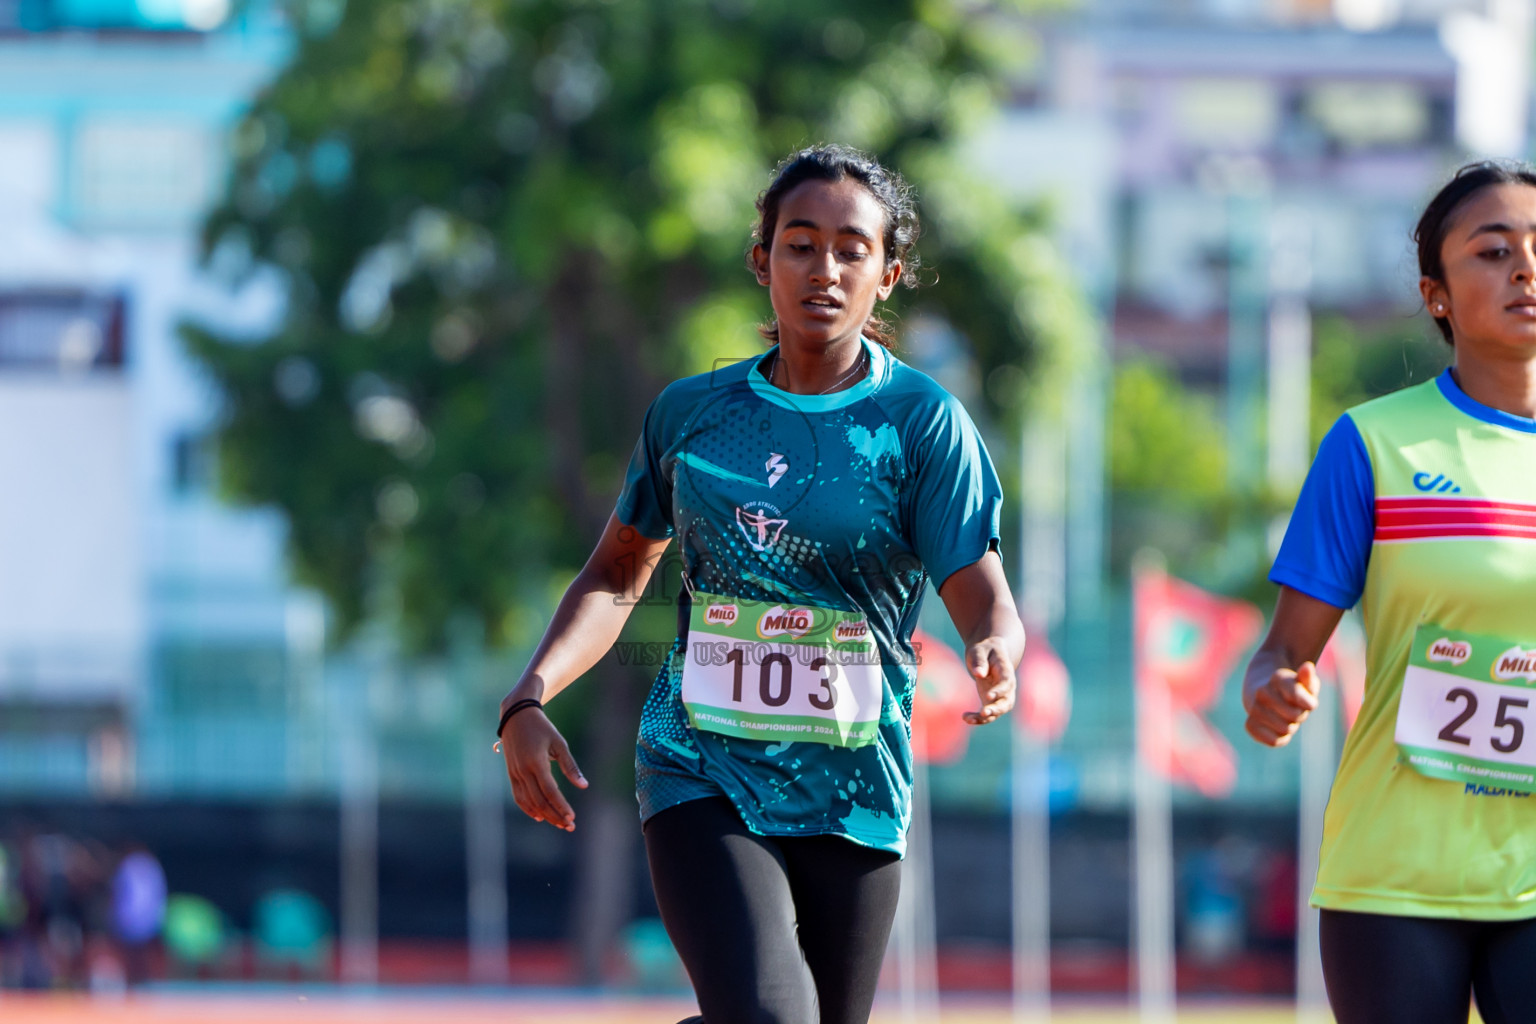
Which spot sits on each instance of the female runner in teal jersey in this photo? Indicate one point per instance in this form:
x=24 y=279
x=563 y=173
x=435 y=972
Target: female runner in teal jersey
x=814 y=492
x=1422 y=506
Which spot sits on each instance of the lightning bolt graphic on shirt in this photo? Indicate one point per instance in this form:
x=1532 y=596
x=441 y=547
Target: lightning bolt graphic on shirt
x=776 y=467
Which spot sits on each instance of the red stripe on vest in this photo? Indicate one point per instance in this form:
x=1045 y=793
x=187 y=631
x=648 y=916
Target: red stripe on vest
x=1419 y=517
x=1451 y=531
x=1453 y=517
x=1414 y=501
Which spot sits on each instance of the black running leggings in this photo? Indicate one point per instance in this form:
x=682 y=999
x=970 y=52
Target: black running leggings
x=1383 y=969
x=772 y=929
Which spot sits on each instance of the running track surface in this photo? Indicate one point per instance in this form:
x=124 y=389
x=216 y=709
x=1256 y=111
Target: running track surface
x=16 y=1008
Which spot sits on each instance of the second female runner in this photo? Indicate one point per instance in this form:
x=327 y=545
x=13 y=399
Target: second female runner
x=1421 y=508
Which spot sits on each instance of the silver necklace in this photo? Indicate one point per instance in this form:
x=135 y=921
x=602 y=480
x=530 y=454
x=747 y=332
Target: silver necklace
x=863 y=360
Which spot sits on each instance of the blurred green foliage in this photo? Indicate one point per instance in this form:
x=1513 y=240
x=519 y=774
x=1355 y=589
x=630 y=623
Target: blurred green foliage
x=1166 y=438
x=1168 y=480
x=1168 y=450
x=502 y=225
x=1169 y=487
x=1353 y=362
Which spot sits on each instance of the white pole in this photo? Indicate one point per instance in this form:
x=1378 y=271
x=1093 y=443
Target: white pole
x=1042 y=600
x=1155 y=966
x=1085 y=472
x=304 y=633
x=1043 y=504
x=916 y=941
x=1290 y=449
x=1290 y=389
x=1290 y=350
x=1031 y=879
x=486 y=858
x=359 y=851
x=485 y=786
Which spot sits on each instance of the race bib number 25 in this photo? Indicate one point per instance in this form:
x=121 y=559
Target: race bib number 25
x=782 y=673
x=1466 y=709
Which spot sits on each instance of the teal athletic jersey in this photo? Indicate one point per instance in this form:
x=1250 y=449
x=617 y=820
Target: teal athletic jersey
x=850 y=501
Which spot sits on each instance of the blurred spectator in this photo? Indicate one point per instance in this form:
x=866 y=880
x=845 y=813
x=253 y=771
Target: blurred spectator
x=651 y=958
x=13 y=913
x=195 y=936
x=12 y=908
x=138 y=909
x=292 y=934
x=62 y=887
x=75 y=916
x=1213 y=908
x=1275 y=903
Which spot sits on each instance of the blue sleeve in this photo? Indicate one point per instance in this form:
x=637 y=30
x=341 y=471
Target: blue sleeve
x=1328 y=542
x=646 y=501
x=956 y=498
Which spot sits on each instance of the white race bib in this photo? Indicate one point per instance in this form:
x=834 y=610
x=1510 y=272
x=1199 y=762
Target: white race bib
x=1466 y=712
x=782 y=673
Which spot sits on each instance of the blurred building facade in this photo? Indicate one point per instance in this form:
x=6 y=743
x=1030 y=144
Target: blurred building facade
x=120 y=572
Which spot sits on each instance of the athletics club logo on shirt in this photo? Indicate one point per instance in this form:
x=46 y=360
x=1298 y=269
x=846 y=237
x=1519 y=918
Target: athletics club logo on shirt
x=781 y=621
x=759 y=527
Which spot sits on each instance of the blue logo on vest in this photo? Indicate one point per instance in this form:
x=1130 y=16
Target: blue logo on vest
x=1437 y=484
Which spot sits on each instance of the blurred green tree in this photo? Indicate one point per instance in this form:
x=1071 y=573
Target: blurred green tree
x=1354 y=361
x=502 y=225
x=1167 y=473
x=1168 y=449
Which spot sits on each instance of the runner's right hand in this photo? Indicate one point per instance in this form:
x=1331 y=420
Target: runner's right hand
x=529 y=743
x=1278 y=707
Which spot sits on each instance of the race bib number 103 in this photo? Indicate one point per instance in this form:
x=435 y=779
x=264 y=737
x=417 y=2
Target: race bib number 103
x=782 y=673
x=1466 y=709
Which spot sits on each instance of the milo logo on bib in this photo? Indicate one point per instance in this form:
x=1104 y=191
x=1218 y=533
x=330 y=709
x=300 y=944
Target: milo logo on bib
x=781 y=621
x=851 y=631
x=720 y=615
x=1465 y=710
x=1515 y=664
x=1454 y=651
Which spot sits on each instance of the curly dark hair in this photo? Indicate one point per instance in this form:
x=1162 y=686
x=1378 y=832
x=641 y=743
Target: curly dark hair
x=831 y=162
x=1436 y=220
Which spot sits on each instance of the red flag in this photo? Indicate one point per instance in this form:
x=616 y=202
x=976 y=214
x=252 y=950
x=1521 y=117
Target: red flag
x=1187 y=643
x=1045 y=688
x=944 y=691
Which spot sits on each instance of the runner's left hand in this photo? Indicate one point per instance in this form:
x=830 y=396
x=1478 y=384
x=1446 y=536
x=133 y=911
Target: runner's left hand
x=987 y=661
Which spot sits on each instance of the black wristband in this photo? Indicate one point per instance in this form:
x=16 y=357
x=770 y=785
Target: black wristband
x=517 y=705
